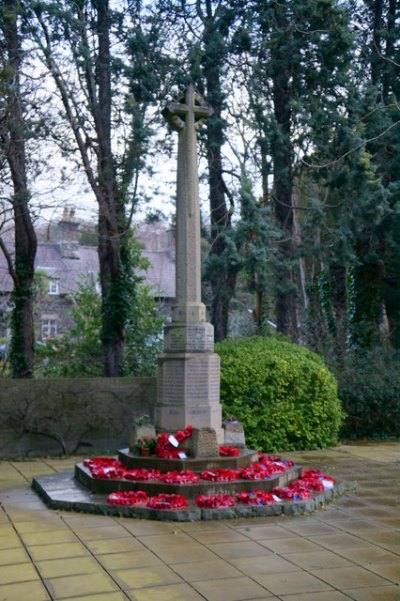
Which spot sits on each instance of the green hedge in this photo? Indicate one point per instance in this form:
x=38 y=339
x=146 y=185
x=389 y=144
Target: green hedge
x=282 y=393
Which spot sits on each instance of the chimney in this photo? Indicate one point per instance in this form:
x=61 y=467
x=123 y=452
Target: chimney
x=67 y=234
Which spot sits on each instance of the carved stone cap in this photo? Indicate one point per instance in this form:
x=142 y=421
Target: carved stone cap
x=189 y=102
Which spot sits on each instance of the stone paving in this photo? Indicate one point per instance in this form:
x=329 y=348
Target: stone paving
x=350 y=550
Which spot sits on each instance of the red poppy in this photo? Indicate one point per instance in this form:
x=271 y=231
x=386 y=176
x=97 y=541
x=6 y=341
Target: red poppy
x=255 y=497
x=225 y=451
x=220 y=475
x=167 y=502
x=214 y=501
x=181 y=477
x=129 y=497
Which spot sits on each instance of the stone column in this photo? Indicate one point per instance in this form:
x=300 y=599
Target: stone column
x=189 y=370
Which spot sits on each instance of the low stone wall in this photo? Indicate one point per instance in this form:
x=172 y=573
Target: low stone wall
x=70 y=415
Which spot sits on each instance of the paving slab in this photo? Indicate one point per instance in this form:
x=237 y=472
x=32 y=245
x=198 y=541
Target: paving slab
x=349 y=549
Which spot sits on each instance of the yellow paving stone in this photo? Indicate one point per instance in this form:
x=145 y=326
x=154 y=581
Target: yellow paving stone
x=24 y=591
x=246 y=549
x=368 y=555
x=160 y=541
x=232 y=589
x=292 y=583
x=143 y=527
x=10 y=542
x=133 y=559
x=114 y=545
x=58 y=551
x=349 y=577
x=381 y=593
x=42 y=523
x=143 y=577
x=18 y=515
x=266 y=532
x=87 y=584
x=77 y=520
x=204 y=570
x=289 y=545
x=391 y=571
x=318 y=559
x=325 y=596
x=271 y=564
x=342 y=540
x=51 y=536
x=117 y=596
x=54 y=568
x=13 y=556
x=21 y=572
x=219 y=536
x=101 y=533
x=6 y=530
x=190 y=552
x=173 y=592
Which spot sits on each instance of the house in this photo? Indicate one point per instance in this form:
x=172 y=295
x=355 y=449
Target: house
x=64 y=264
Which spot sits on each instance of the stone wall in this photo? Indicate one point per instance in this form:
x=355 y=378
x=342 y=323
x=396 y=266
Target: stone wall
x=70 y=415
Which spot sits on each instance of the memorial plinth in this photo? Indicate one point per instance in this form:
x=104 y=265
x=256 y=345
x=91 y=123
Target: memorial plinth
x=188 y=371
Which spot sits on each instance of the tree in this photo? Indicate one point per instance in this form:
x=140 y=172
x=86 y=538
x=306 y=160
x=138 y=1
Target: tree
x=13 y=134
x=300 y=54
x=75 y=41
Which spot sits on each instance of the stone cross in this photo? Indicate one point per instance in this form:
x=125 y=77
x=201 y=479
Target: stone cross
x=185 y=115
x=188 y=371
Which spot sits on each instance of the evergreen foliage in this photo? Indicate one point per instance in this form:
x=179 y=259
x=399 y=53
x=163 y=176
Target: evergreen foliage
x=282 y=393
x=79 y=352
x=369 y=386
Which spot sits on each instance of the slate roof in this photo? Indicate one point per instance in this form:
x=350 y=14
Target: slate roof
x=71 y=271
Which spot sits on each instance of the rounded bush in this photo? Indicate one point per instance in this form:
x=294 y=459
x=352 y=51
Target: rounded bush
x=282 y=393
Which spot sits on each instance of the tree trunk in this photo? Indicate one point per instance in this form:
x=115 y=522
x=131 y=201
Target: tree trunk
x=111 y=211
x=223 y=281
x=282 y=157
x=22 y=342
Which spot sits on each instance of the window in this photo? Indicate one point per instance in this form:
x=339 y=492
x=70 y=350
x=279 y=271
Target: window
x=49 y=328
x=53 y=287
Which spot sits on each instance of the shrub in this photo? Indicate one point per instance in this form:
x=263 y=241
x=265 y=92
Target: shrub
x=282 y=393
x=369 y=386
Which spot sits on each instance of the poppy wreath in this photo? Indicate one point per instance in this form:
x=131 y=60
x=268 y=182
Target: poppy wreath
x=165 y=449
x=167 y=502
x=128 y=497
x=220 y=475
x=182 y=477
x=255 y=497
x=257 y=471
x=142 y=475
x=316 y=480
x=292 y=493
x=105 y=468
x=275 y=464
x=225 y=451
x=214 y=501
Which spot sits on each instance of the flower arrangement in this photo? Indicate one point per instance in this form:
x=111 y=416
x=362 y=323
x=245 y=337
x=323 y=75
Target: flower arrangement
x=257 y=471
x=225 y=451
x=129 y=497
x=142 y=475
x=106 y=468
x=146 y=445
x=167 y=444
x=220 y=475
x=182 y=477
x=142 y=420
x=214 y=501
x=255 y=497
x=167 y=502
